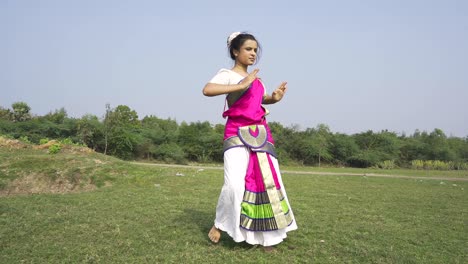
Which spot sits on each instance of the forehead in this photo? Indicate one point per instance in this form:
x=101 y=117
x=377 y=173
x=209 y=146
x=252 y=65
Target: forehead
x=250 y=43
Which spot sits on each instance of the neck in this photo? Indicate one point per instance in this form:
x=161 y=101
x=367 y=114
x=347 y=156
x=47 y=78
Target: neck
x=240 y=68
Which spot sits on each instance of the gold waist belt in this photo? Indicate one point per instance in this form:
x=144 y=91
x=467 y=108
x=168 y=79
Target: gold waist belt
x=235 y=141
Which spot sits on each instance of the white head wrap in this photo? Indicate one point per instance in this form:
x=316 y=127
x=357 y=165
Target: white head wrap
x=231 y=37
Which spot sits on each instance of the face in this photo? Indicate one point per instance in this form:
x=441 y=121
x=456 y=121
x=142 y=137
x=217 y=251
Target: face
x=247 y=54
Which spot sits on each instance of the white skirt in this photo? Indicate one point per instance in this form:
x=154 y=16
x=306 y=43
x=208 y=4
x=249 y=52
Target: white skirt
x=228 y=210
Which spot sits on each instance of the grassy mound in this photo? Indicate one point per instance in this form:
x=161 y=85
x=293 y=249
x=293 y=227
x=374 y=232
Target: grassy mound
x=27 y=168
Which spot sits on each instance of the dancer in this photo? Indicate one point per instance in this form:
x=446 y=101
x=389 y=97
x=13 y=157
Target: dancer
x=253 y=205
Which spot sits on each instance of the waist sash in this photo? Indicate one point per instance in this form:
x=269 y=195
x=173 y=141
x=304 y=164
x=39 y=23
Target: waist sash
x=254 y=137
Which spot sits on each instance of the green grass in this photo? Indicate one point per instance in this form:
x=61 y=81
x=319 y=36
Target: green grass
x=405 y=172
x=148 y=214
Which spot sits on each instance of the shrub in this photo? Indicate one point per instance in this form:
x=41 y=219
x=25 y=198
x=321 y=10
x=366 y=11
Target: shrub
x=43 y=141
x=69 y=141
x=386 y=165
x=169 y=152
x=363 y=160
x=438 y=165
x=460 y=166
x=25 y=139
x=54 y=148
x=6 y=136
x=417 y=164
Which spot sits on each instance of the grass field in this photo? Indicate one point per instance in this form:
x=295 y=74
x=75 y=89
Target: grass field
x=154 y=214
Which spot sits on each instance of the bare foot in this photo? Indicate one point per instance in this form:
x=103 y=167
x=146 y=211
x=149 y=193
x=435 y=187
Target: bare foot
x=214 y=234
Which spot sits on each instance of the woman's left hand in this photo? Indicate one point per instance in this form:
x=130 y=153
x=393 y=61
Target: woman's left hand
x=278 y=94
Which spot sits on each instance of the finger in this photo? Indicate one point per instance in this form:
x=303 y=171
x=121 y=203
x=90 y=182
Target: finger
x=282 y=86
x=255 y=71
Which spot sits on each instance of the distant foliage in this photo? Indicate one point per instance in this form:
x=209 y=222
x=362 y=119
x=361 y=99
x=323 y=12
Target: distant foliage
x=121 y=133
x=438 y=165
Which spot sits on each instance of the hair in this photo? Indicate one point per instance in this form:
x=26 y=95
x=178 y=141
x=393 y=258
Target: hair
x=237 y=42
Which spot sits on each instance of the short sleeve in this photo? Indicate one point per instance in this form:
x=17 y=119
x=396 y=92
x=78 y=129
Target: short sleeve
x=222 y=77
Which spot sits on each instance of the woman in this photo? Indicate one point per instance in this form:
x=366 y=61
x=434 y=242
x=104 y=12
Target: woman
x=253 y=205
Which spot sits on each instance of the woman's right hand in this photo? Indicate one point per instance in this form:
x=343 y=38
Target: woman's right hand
x=213 y=89
x=247 y=81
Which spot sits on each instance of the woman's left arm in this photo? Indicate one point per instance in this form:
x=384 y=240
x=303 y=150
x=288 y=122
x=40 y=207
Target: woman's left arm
x=277 y=94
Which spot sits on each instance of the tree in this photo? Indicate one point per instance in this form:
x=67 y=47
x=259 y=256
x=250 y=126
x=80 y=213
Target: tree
x=321 y=142
x=58 y=116
x=411 y=149
x=123 y=116
x=169 y=152
x=121 y=127
x=281 y=137
x=342 y=147
x=157 y=136
x=437 y=147
x=158 y=130
x=5 y=114
x=90 y=131
x=21 y=111
x=200 y=141
x=297 y=144
x=375 y=148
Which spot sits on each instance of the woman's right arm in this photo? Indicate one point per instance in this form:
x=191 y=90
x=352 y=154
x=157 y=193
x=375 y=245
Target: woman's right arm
x=213 y=89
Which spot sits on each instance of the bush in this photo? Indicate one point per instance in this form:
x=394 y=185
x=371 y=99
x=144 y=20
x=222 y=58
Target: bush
x=6 y=136
x=438 y=165
x=54 y=148
x=441 y=165
x=43 y=141
x=460 y=166
x=386 y=165
x=363 y=160
x=25 y=139
x=69 y=141
x=417 y=164
x=170 y=152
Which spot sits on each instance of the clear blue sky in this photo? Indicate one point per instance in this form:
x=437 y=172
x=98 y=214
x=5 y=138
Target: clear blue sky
x=355 y=66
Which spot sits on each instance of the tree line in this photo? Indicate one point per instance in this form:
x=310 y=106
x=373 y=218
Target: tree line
x=121 y=133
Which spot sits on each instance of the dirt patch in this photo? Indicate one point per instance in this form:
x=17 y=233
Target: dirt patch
x=12 y=143
x=38 y=183
x=77 y=149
